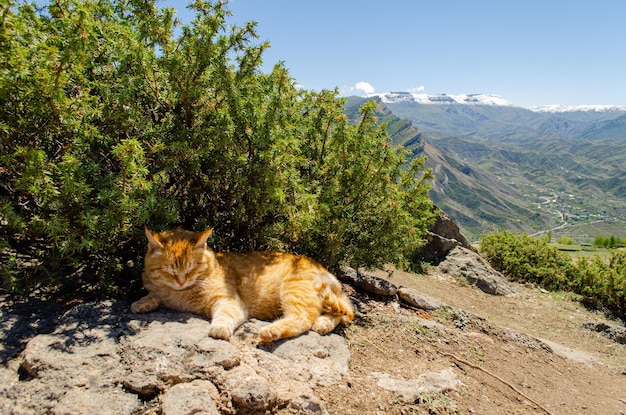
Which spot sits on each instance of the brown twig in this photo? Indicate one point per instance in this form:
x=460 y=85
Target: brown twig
x=493 y=375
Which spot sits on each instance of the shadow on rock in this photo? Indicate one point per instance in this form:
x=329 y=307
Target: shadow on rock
x=21 y=322
x=102 y=359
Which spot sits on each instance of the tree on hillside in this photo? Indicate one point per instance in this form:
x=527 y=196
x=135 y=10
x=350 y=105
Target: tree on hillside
x=610 y=242
x=110 y=120
x=565 y=240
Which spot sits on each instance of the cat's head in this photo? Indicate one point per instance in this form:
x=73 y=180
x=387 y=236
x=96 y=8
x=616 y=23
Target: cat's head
x=176 y=258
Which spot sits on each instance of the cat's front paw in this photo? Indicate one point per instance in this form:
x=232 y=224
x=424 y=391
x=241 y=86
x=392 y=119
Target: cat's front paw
x=323 y=325
x=144 y=305
x=269 y=334
x=220 y=332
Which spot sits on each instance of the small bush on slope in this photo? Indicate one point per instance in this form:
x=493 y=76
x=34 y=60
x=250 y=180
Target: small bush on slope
x=601 y=283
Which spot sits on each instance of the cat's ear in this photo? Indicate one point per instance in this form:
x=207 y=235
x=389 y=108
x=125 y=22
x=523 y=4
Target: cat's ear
x=153 y=244
x=202 y=239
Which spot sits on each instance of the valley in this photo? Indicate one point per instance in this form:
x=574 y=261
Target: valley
x=498 y=166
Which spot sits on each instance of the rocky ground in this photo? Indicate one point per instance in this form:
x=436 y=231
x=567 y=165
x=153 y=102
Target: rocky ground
x=527 y=353
x=464 y=351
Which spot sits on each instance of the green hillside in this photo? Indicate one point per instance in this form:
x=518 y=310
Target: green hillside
x=511 y=168
x=607 y=130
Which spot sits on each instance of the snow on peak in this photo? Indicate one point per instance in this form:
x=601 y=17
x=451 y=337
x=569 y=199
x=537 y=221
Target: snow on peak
x=486 y=99
x=576 y=108
x=467 y=99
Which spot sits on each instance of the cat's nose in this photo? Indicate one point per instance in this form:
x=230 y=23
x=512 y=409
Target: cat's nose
x=180 y=279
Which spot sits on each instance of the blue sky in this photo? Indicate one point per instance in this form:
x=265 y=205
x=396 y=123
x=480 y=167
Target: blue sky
x=530 y=52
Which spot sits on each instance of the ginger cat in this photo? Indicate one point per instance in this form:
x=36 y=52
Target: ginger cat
x=182 y=273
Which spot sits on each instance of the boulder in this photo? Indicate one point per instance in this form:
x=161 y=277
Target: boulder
x=414 y=298
x=25 y=321
x=462 y=262
x=610 y=331
x=77 y=368
x=435 y=248
x=443 y=236
x=366 y=281
x=249 y=391
x=445 y=227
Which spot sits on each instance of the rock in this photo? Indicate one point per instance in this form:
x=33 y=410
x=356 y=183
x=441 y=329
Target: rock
x=435 y=248
x=8 y=380
x=76 y=368
x=252 y=393
x=347 y=274
x=102 y=359
x=104 y=401
x=416 y=299
x=444 y=226
x=297 y=366
x=190 y=398
x=613 y=332
x=411 y=390
x=220 y=353
x=173 y=348
x=462 y=262
x=575 y=355
x=366 y=281
x=326 y=357
x=443 y=236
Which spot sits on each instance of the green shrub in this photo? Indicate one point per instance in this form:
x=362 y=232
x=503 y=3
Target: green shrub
x=566 y=240
x=110 y=122
x=610 y=242
x=601 y=283
x=527 y=259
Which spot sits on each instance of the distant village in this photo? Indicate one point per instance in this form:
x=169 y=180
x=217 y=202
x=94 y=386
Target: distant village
x=580 y=218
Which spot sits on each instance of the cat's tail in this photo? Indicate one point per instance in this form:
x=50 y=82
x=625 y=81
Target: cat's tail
x=334 y=300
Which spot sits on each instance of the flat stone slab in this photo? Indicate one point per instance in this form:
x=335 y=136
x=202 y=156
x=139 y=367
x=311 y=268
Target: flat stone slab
x=101 y=359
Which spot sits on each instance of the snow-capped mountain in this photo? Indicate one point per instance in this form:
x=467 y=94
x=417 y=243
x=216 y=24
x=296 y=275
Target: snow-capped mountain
x=495 y=118
x=467 y=99
x=488 y=100
x=578 y=108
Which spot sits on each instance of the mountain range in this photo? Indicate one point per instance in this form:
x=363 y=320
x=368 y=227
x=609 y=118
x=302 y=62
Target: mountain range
x=500 y=166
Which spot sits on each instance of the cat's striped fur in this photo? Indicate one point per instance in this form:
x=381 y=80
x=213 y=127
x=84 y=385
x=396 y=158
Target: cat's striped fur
x=182 y=273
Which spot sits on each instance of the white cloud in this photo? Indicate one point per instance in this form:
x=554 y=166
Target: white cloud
x=365 y=87
x=417 y=90
x=360 y=88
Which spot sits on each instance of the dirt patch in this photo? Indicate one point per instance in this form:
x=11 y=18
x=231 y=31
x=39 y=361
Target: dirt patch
x=492 y=344
x=551 y=316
